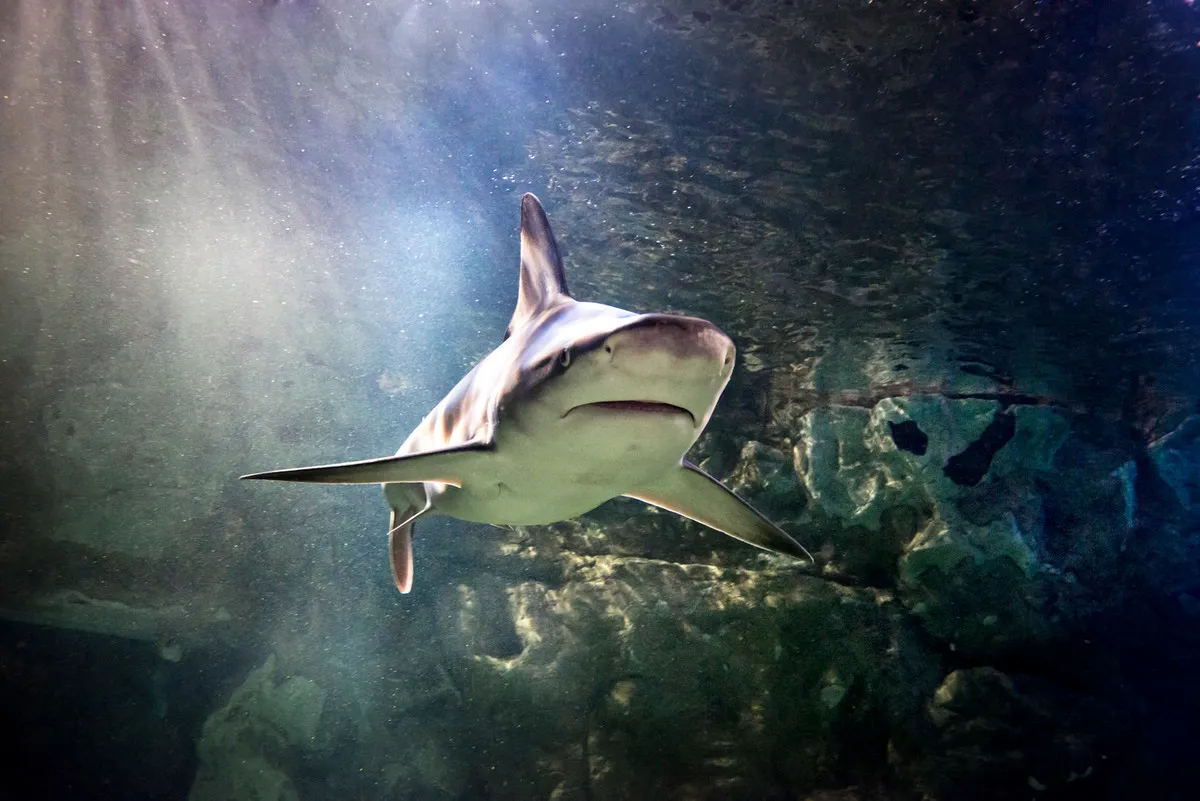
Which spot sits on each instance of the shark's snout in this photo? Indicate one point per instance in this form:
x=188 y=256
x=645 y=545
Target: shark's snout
x=657 y=341
x=664 y=364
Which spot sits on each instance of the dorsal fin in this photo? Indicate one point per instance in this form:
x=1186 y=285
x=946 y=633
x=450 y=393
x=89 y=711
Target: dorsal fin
x=543 y=283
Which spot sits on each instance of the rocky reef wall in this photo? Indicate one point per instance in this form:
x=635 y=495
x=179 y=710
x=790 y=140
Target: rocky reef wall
x=981 y=632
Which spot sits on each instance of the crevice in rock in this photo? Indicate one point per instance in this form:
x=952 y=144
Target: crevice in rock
x=502 y=641
x=908 y=436
x=506 y=645
x=969 y=467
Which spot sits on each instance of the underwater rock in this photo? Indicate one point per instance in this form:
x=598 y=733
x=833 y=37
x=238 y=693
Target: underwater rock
x=1014 y=557
x=1176 y=457
x=1040 y=433
x=71 y=609
x=969 y=467
x=765 y=477
x=866 y=496
x=997 y=736
x=639 y=677
x=247 y=747
x=977 y=587
x=852 y=468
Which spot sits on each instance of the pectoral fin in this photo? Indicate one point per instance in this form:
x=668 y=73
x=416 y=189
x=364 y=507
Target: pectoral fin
x=444 y=466
x=689 y=491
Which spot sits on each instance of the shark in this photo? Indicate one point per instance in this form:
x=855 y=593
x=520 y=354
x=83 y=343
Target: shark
x=579 y=404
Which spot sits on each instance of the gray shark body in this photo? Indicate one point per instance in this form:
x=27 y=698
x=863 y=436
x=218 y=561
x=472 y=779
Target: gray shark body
x=581 y=403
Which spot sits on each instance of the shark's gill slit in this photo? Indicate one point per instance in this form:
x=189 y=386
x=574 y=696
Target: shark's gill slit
x=500 y=449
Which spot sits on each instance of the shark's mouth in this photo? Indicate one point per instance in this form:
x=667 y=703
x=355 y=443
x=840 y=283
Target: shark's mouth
x=637 y=407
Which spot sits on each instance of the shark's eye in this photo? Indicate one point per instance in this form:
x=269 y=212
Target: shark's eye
x=564 y=357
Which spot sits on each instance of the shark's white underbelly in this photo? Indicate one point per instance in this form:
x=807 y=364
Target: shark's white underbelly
x=545 y=473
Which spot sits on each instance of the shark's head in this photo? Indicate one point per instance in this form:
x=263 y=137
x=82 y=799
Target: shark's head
x=587 y=363
x=587 y=359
